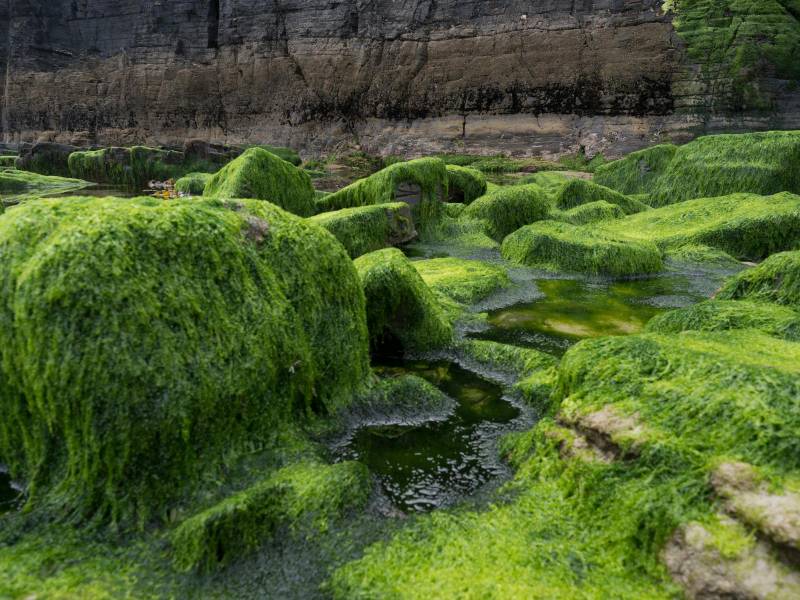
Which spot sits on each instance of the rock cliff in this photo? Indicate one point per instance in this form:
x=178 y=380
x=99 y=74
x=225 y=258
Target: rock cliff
x=410 y=76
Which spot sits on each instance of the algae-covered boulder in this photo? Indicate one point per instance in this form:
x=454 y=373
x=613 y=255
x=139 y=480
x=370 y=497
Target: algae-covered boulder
x=560 y=246
x=401 y=310
x=303 y=497
x=593 y=212
x=132 y=167
x=420 y=183
x=465 y=184
x=715 y=165
x=719 y=315
x=776 y=280
x=192 y=183
x=746 y=226
x=262 y=175
x=364 y=229
x=509 y=208
x=462 y=280
x=144 y=342
x=46 y=158
x=578 y=192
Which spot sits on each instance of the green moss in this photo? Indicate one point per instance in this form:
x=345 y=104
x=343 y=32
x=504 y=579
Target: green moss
x=143 y=341
x=401 y=309
x=301 y=497
x=560 y=246
x=453 y=210
x=465 y=281
x=549 y=181
x=746 y=226
x=367 y=228
x=728 y=537
x=718 y=315
x=192 y=184
x=509 y=208
x=693 y=254
x=716 y=165
x=9 y=162
x=776 y=280
x=578 y=192
x=18 y=186
x=592 y=212
x=132 y=167
x=513 y=361
x=428 y=174
x=261 y=175
x=465 y=184
x=287 y=154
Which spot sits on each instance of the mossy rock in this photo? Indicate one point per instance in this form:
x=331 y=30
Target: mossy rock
x=593 y=212
x=746 y=226
x=776 y=280
x=8 y=161
x=401 y=310
x=560 y=246
x=421 y=183
x=509 y=208
x=465 y=184
x=143 y=341
x=192 y=184
x=303 y=497
x=282 y=152
x=46 y=158
x=261 y=175
x=465 y=281
x=132 y=167
x=720 y=315
x=365 y=229
x=636 y=172
x=579 y=192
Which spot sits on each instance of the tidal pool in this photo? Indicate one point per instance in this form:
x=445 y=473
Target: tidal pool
x=432 y=465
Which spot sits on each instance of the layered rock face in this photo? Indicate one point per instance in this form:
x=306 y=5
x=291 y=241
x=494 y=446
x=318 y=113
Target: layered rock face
x=410 y=76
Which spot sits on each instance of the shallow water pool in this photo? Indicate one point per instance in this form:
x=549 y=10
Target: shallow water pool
x=9 y=496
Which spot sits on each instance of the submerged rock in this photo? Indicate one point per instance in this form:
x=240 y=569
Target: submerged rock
x=262 y=175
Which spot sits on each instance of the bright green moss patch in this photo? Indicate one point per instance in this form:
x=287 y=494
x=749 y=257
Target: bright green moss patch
x=142 y=341
x=465 y=281
x=364 y=229
x=422 y=183
x=579 y=192
x=401 y=310
x=192 y=184
x=746 y=226
x=465 y=184
x=698 y=254
x=776 y=280
x=636 y=172
x=509 y=208
x=559 y=246
x=132 y=167
x=261 y=175
x=305 y=496
x=718 y=315
x=513 y=361
x=18 y=186
x=592 y=212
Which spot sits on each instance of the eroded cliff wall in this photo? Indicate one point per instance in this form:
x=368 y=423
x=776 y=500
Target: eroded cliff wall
x=521 y=76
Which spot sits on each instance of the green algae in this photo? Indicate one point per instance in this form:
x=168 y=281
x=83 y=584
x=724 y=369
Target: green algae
x=746 y=226
x=401 y=308
x=465 y=281
x=303 y=497
x=592 y=212
x=9 y=162
x=18 y=186
x=776 y=280
x=636 y=172
x=560 y=246
x=509 y=208
x=192 y=184
x=579 y=192
x=465 y=184
x=364 y=229
x=284 y=153
x=132 y=167
x=718 y=315
x=261 y=175
x=256 y=318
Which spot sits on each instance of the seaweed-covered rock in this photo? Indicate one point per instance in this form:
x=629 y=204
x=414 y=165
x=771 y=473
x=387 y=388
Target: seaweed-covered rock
x=401 y=310
x=301 y=496
x=466 y=281
x=746 y=226
x=144 y=341
x=132 y=167
x=509 y=208
x=364 y=229
x=46 y=158
x=716 y=165
x=718 y=315
x=192 y=183
x=17 y=186
x=420 y=183
x=777 y=280
x=560 y=246
x=577 y=192
x=465 y=184
x=593 y=212
x=262 y=175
